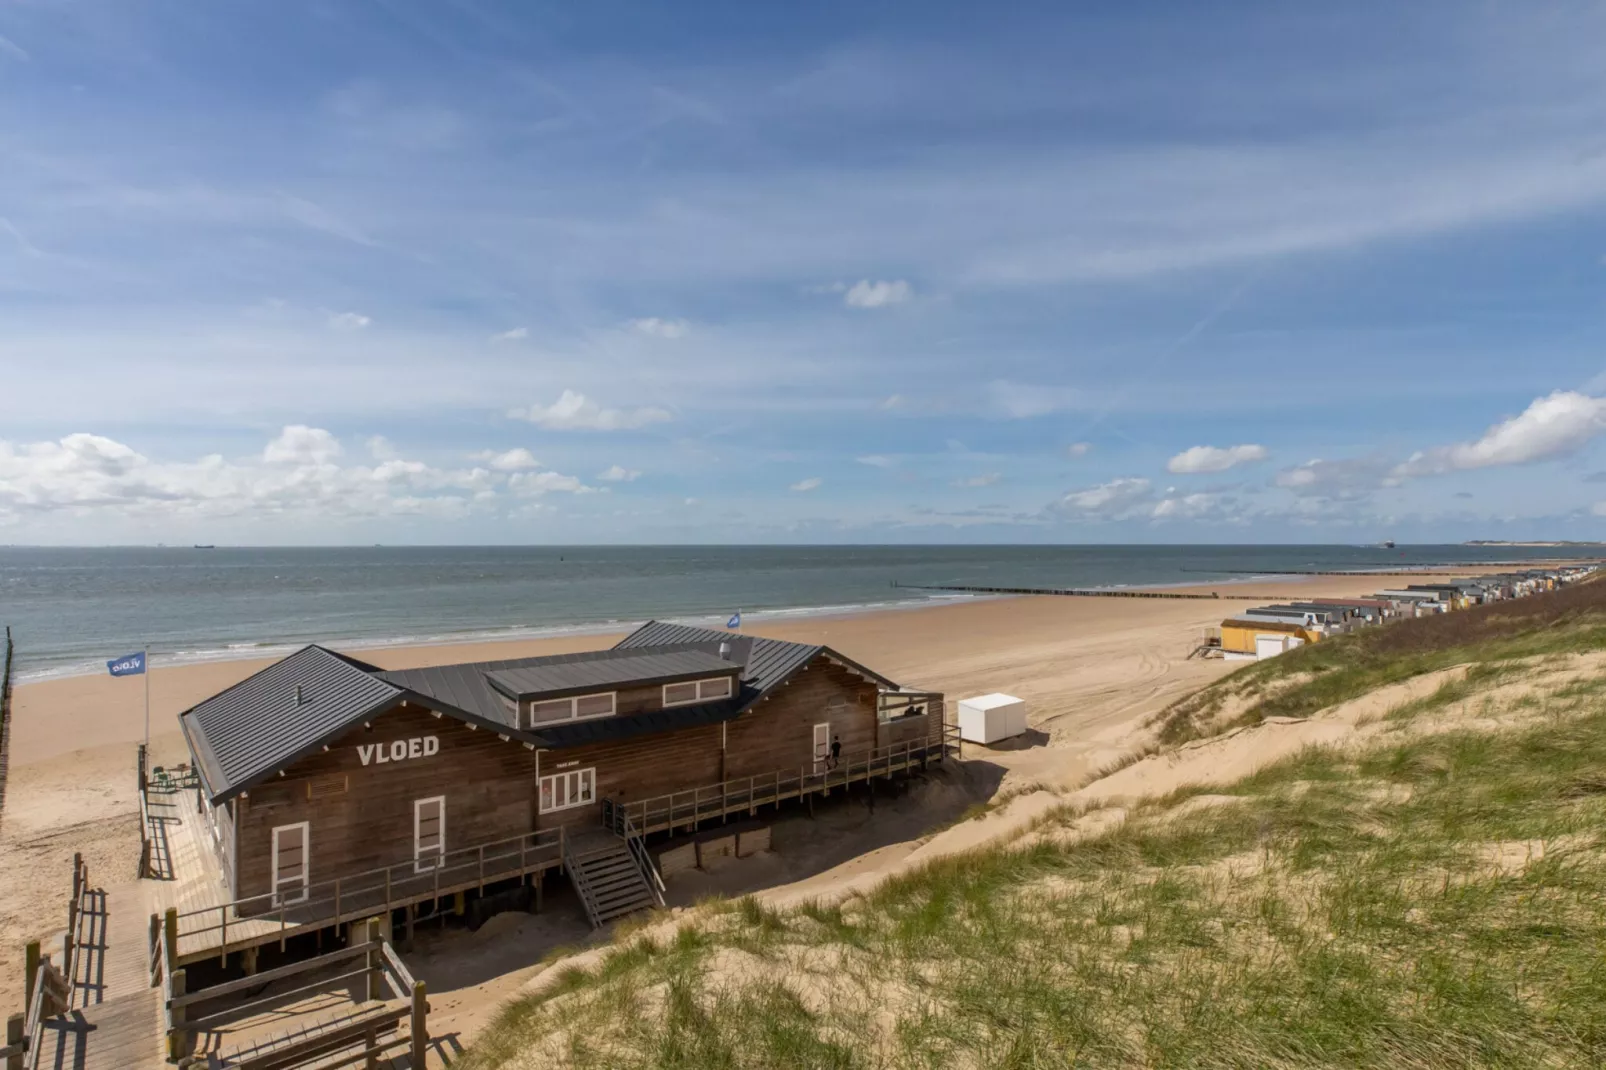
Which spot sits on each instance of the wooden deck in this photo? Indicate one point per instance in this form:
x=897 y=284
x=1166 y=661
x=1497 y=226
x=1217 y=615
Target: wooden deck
x=124 y=1033
x=212 y=924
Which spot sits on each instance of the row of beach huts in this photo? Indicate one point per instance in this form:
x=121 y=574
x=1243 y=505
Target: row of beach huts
x=1267 y=631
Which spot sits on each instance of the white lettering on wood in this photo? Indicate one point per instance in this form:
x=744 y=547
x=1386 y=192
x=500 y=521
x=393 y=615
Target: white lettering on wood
x=398 y=750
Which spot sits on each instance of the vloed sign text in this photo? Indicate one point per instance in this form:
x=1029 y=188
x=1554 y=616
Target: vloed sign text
x=398 y=750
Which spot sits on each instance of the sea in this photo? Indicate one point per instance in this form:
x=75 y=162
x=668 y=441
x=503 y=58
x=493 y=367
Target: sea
x=71 y=609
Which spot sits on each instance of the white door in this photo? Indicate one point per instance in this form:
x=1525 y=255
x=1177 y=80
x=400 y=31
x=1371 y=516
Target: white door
x=1268 y=646
x=822 y=745
x=429 y=833
x=290 y=864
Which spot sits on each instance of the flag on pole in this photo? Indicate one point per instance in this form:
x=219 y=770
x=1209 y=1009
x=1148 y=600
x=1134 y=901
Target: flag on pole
x=735 y=621
x=127 y=665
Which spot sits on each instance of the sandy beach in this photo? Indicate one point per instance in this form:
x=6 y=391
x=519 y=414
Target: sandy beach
x=1091 y=669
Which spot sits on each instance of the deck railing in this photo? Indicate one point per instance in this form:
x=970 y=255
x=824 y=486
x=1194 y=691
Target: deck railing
x=686 y=808
x=384 y=977
x=370 y=891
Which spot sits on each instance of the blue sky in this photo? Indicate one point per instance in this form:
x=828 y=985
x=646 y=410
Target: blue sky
x=478 y=272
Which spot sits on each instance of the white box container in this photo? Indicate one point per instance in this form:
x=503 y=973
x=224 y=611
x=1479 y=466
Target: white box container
x=990 y=718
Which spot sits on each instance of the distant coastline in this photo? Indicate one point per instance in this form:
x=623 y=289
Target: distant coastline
x=1511 y=542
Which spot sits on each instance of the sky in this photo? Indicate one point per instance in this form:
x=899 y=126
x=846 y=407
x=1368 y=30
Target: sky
x=459 y=271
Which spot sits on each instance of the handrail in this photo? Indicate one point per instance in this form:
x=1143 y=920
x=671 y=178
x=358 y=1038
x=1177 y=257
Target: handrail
x=638 y=851
x=371 y=891
x=685 y=807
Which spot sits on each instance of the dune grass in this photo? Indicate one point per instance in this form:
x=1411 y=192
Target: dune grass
x=1437 y=901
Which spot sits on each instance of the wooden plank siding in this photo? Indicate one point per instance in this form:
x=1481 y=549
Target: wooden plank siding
x=778 y=733
x=360 y=817
x=489 y=784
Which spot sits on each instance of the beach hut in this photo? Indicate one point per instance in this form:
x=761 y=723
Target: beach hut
x=990 y=718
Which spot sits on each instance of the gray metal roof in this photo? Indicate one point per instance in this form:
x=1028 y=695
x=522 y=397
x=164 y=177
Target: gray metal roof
x=767 y=663
x=256 y=727
x=557 y=677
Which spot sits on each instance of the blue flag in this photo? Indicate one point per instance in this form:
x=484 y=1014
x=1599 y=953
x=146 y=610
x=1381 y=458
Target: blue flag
x=128 y=665
x=735 y=621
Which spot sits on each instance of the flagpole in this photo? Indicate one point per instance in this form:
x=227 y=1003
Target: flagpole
x=147 y=675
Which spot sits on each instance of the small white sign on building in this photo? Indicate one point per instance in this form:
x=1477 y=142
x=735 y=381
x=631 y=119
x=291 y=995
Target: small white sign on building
x=990 y=718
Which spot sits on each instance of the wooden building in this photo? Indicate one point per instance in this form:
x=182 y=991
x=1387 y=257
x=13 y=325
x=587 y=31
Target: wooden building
x=1248 y=639
x=320 y=773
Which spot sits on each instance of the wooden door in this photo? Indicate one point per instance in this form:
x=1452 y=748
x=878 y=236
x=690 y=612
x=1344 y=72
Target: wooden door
x=429 y=833
x=822 y=745
x=290 y=864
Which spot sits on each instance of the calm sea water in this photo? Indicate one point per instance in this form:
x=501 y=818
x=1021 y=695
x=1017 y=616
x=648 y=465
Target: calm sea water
x=70 y=609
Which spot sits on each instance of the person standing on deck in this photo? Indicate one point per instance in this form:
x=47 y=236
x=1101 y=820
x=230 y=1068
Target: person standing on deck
x=836 y=752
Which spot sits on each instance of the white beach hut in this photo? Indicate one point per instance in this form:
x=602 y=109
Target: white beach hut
x=990 y=718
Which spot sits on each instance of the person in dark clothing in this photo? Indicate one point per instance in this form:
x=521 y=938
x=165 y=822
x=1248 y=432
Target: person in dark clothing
x=836 y=751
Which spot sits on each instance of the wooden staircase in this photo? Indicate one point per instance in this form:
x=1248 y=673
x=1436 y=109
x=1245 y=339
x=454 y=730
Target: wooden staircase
x=608 y=877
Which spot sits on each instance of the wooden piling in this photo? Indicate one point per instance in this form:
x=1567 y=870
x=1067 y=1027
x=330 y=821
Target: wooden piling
x=376 y=962
x=13 y=1039
x=30 y=969
x=420 y=1026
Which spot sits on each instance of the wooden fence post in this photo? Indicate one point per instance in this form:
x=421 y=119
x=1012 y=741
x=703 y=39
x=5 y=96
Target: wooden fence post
x=177 y=1047
x=13 y=1037
x=420 y=1036
x=31 y=969
x=376 y=961
x=170 y=939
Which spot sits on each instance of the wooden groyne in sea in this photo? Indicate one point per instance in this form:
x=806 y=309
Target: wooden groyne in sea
x=5 y=721
x=1095 y=592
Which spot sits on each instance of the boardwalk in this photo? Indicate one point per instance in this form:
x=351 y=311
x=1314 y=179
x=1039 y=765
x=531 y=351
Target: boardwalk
x=115 y=1022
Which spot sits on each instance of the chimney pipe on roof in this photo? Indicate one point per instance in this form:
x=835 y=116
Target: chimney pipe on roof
x=724 y=649
x=298 y=695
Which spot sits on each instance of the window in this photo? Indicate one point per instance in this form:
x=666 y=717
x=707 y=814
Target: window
x=560 y=791
x=290 y=864
x=697 y=691
x=570 y=709
x=429 y=833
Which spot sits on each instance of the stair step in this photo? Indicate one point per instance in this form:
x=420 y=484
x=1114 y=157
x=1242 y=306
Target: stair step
x=623 y=880
x=594 y=872
x=625 y=891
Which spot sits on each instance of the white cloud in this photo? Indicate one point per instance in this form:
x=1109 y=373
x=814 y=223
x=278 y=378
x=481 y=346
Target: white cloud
x=517 y=334
x=576 y=412
x=894 y=403
x=300 y=444
x=1599 y=508
x=535 y=484
x=878 y=460
x=297 y=474
x=380 y=448
x=1551 y=426
x=349 y=321
x=811 y=483
x=1345 y=479
x=517 y=459
x=1078 y=449
x=1114 y=500
x=1214 y=458
x=867 y=294
x=660 y=328
x=986 y=480
x=618 y=474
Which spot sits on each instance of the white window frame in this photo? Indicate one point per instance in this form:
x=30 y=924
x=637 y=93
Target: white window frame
x=306 y=864
x=574 y=705
x=436 y=859
x=698 y=696
x=580 y=777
